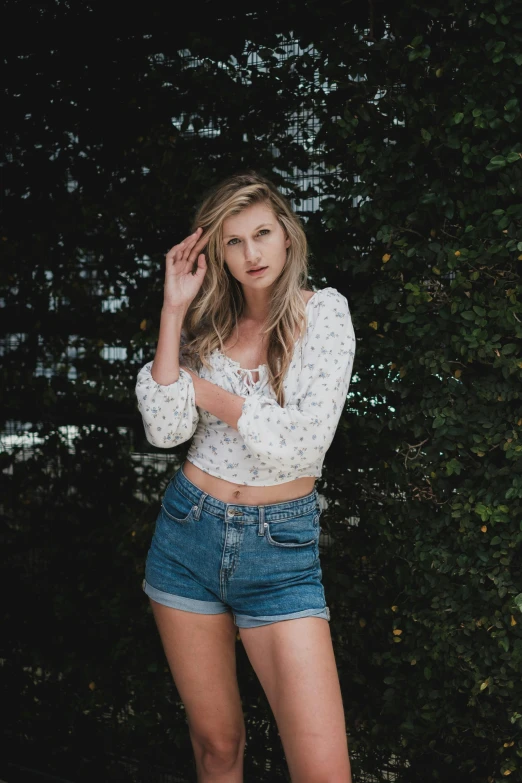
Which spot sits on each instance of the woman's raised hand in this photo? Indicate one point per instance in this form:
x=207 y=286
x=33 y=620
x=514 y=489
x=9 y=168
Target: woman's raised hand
x=181 y=286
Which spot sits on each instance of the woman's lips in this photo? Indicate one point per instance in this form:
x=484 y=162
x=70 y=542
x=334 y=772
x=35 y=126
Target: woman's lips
x=258 y=271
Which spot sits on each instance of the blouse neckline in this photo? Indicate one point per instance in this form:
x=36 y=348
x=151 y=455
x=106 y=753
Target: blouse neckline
x=261 y=366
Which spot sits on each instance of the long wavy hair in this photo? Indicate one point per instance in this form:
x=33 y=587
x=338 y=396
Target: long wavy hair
x=218 y=306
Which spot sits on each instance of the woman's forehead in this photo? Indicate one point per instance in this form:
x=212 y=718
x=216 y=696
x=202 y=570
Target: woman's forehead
x=248 y=219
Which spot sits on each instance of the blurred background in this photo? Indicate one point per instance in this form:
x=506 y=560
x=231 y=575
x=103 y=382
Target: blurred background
x=395 y=132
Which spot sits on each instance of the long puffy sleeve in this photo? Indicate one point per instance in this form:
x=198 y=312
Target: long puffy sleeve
x=299 y=435
x=169 y=413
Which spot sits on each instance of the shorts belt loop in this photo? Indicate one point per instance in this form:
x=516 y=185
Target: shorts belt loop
x=261 y=528
x=199 y=507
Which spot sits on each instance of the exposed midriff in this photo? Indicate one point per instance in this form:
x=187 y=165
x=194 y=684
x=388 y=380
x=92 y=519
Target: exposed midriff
x=244 y=495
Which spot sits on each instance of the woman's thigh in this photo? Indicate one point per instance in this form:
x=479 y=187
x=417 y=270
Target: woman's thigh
x=295 y=663
x=201 y=653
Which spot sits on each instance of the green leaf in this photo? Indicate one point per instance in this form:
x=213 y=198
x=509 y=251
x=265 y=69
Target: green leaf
x=504 y=643
x=497 y=162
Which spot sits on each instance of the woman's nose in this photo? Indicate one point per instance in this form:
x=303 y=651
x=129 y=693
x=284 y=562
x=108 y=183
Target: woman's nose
x=251 y=252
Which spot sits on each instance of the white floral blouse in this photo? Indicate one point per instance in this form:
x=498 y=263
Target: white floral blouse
x=272 y=444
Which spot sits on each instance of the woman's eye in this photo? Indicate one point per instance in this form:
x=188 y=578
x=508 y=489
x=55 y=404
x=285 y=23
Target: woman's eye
x=235 y=240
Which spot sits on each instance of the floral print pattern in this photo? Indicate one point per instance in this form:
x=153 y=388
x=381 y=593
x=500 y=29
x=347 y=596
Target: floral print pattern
x=272 y=444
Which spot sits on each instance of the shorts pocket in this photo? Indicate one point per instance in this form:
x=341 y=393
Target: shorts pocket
x=176 y=506
x=293 y=533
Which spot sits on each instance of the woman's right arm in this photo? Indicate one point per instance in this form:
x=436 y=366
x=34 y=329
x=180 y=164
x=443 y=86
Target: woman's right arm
x=165 y=391
x=165 y=367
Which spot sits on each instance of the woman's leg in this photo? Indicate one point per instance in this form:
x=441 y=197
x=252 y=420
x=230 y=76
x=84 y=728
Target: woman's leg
x=295 y=663
x=201 y=653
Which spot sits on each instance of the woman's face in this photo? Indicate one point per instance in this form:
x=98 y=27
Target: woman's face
x=254 y=238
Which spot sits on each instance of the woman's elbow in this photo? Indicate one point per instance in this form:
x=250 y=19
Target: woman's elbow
x=173 y=437
x=155 y=438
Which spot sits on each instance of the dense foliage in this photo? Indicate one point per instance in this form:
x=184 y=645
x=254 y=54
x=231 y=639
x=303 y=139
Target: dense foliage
x=410 y=121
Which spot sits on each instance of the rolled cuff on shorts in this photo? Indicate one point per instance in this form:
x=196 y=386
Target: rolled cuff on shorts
x=244 y=621
x=180 y=602
x=215 y=607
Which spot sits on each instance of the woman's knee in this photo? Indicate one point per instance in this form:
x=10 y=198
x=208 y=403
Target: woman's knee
x=218 y=752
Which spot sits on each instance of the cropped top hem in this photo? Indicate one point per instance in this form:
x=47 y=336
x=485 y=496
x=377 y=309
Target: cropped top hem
x=213 y=472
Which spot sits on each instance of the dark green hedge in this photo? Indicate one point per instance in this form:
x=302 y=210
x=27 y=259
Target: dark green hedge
x=410 y=120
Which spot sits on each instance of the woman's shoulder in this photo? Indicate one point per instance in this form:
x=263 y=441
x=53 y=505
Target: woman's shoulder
x=307 y=294
x=326 y=309
x=323 y=296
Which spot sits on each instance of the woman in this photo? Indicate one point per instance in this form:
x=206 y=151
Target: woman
x=236 y=542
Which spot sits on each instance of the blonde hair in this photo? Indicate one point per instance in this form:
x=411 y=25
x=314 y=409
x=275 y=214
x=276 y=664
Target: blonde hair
x=217 y=307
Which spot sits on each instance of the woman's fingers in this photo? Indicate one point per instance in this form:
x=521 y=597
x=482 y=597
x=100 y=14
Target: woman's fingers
x=188 y=250
x=174 y=252
x=185 y=252
x=197 y=248
x=183 y=248
x=193 y=245
x=189 y=243
x=179 y=248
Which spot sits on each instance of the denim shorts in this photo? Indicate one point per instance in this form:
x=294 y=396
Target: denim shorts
x=261 y=563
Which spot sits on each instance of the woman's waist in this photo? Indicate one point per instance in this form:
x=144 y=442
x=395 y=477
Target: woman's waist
x=230 y=492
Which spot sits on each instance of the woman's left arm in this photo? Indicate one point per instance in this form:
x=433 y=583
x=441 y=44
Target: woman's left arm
x=301 y=433
x=222 y=404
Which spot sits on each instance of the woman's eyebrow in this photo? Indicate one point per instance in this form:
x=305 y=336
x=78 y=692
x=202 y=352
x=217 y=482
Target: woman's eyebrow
x=227 y=236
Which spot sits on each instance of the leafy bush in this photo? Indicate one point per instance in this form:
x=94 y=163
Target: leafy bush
x=408 y=118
